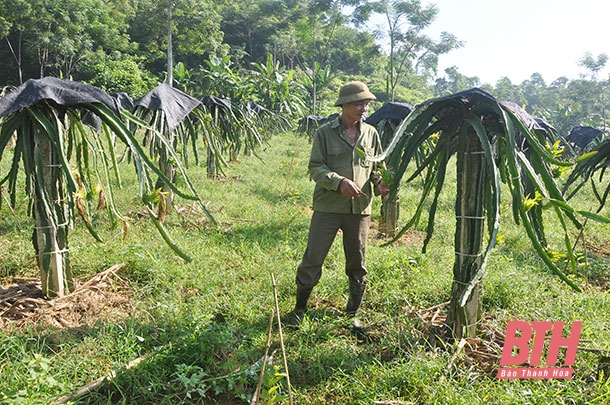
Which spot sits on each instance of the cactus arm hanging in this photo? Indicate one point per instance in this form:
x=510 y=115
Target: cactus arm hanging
x=166 y=237
x=129 y=140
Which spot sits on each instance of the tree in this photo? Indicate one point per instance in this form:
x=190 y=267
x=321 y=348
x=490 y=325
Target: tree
x=314 y=33
x=354 y=52
x=594 y=66
x=15 y=18
x=195 y=31
x=67 y=165
x=410 y=50
x=506 y=90
x=494 y=142
x=454 y=83
x=248 y=27
x=85 y=40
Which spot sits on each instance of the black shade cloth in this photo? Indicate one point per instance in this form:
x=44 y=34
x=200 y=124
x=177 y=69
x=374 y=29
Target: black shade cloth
x=255 y=108
x=531 y=122
x=312 y=122
x=92 y=120
x=61 y=91
x=210 y=101
x=472 y=97
x=124 y=100
x=583 y=135
x=392 y=110
x=311 y=119
x=176 y=104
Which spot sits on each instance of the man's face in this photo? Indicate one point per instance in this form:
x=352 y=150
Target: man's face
x=355 y=111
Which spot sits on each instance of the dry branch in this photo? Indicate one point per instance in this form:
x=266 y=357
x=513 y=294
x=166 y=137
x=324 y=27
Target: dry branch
x=97 y=383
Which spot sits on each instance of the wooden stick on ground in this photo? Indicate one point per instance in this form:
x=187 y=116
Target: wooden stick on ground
x=279 y=322
x=97 y=383
x=260 y=379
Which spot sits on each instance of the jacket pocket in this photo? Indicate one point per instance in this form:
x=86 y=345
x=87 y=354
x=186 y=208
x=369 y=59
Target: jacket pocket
x=339 y=158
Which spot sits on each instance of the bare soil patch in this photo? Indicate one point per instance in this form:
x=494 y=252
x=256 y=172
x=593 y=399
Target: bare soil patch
x=410 y=237
x=104 y=296
x=482 y=351
x=599 y=249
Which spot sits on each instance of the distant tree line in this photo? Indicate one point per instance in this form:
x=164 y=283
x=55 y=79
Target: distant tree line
x=122 y=46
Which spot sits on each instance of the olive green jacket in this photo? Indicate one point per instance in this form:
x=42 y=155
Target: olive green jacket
x=333 y=159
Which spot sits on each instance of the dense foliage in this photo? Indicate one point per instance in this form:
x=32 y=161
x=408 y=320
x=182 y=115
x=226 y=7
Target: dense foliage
x=121 y=45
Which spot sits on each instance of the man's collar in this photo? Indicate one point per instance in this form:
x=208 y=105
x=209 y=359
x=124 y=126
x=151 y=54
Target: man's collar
x=337 y=122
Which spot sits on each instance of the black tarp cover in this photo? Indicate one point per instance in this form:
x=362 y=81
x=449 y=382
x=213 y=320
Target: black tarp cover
x=392 y=110
x=176 y=104
x=312 y=119
x=61 y=91
x=124 y=100
x=210 y=101
x=318 y=119
x=583 y=135
x=470 y=98
x=255 y=108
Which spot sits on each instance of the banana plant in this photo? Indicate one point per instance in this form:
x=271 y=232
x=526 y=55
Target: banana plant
x=277 y=90
x=494 y=142
x=68 y=165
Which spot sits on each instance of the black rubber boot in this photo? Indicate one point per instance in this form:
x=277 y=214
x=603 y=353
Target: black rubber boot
x=356 y=293
x=300 y=307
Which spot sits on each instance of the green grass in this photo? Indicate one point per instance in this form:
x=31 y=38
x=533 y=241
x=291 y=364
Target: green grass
x=203 y=325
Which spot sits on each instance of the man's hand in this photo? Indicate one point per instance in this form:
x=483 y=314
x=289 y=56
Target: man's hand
x=383 y=188
x=349 y=189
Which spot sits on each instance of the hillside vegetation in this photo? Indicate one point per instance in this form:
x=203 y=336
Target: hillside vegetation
x=197 y=330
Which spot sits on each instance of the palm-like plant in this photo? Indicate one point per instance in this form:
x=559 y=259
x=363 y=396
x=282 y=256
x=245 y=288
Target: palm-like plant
x=67 y=164
x=494 y=142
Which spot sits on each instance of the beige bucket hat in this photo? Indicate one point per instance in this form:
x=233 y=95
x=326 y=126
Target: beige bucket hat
x=354 y=91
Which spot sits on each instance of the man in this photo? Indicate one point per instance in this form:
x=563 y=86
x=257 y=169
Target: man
x=345 y=182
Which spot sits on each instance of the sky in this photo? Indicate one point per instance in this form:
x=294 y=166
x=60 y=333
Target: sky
x=517 y=38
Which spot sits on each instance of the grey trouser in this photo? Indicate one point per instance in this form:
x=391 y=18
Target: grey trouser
x=322 y=232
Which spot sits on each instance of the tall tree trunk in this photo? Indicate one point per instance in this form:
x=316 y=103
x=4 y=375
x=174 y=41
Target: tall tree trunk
x=51 y=232
x=170 y=52
x=470 y=213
